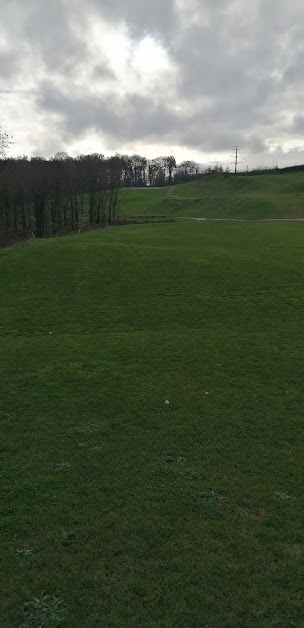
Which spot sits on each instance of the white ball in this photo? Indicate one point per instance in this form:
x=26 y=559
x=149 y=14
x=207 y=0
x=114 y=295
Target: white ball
x=167 y=402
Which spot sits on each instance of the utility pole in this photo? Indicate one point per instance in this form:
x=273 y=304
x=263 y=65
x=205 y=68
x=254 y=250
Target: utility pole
x=236 y=159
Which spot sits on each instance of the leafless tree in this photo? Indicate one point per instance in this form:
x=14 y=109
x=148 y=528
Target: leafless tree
x=5 y=140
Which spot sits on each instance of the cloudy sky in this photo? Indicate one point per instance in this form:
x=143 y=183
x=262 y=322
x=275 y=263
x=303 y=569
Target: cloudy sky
x=188 y=77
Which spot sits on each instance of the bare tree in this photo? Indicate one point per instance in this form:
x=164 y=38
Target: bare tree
x=170 y=164
x=157 y=171
x=5 y=140
x=152 y=172
x=186 y=171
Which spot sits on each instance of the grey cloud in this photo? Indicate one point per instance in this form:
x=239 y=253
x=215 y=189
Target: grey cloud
x=158 y=17
x=298 y=123
x=49 y=33
x=293 y=71
x=131 y=117
x=134 y=117
x=8 y=64
x=103 y=72
x=238 y=68
x=54 y=37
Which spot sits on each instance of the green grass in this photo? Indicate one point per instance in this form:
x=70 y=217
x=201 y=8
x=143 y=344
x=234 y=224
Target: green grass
x=247 y=197
x=145 y=202
x=117 y=511
x=242 y=184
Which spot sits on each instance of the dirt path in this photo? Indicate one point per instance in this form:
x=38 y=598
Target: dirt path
x=170 y=191
x=170 y=194
x=243 y=219
x=143 y=187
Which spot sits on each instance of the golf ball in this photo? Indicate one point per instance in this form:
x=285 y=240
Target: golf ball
x=167 y=402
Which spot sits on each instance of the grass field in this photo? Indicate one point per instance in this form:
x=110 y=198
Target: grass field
x=126 y=512
x=143 y=202
x=248 y=197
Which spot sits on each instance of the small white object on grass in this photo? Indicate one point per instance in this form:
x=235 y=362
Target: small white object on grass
x=50 y=332
x=167 y=402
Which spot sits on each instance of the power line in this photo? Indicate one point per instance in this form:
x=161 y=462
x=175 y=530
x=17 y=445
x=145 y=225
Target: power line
x=236 y=158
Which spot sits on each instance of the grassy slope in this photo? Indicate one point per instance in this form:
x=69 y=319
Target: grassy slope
x=252 y=197
x=144 y=202
x=140 y=514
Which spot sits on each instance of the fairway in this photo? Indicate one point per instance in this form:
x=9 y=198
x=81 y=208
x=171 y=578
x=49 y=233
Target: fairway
x=133 y=513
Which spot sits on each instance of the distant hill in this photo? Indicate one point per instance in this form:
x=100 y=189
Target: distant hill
x=274 y=195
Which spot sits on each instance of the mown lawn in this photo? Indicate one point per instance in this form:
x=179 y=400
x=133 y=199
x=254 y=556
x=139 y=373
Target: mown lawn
x=130 y=512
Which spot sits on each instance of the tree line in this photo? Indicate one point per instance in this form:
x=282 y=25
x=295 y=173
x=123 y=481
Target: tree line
x=40 y=197
x=137 y=171
x=49 y=197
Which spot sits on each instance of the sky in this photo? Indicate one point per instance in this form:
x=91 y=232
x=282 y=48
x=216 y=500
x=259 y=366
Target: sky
x=191 y=78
